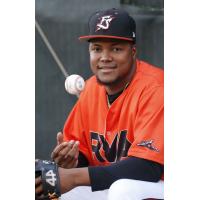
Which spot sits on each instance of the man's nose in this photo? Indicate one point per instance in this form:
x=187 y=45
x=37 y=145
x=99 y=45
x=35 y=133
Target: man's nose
x=105 y=57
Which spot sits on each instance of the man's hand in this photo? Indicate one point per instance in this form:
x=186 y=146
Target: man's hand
x=66 y=154
x=47 y=180
x=66 y=185
x=38 y=187
x=69 y=179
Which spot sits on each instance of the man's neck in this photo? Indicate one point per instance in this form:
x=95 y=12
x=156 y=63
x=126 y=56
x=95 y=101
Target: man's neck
x=112 y=90
x=121 y=85
x=113 y=97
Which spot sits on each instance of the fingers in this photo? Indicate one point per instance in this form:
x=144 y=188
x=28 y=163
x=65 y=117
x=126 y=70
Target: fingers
x=65 y=152
x=59 y=138
x=58 y=148
x=38 y=189
x=38 y=185
x=67 y=155
x=71 y=159
x=73 y=153
x=77 y=153
x=38 y=181
x=72 y=164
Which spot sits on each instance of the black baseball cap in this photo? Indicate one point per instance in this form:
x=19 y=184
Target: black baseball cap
x=112 y=23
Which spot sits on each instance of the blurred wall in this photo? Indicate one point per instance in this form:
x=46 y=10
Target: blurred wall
x=63 y=22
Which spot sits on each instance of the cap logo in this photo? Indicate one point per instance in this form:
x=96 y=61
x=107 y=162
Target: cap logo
x=105 y=22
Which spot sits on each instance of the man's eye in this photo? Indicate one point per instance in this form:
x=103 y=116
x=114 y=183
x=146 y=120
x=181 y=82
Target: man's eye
x=117 y=49
x=96 y=49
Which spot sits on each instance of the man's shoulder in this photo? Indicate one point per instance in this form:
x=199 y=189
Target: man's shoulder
x=92 y=80
x=150 y=72
x=92 y=87
x=91 y=83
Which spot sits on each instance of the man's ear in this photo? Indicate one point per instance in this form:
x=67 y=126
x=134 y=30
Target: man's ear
x=134 y=50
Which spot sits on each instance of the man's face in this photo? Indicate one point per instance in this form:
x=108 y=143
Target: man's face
x=111 y=61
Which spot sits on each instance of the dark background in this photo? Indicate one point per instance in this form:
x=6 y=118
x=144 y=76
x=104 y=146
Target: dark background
x=63 y=22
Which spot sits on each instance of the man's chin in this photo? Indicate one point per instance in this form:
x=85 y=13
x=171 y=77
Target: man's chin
x=106 y=82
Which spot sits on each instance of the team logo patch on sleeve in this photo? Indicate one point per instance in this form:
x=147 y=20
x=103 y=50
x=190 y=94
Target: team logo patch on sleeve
x=148 y=144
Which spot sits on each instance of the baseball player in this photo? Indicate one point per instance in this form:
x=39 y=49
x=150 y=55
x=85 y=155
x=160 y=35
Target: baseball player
x=112 y=140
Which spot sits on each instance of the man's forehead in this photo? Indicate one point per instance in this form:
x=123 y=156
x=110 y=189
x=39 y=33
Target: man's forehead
x=108 y=41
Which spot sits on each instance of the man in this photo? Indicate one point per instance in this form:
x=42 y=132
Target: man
x=113 y=138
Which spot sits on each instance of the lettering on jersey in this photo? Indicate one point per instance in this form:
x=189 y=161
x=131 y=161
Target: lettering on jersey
x=111 y=153
x=148 y=144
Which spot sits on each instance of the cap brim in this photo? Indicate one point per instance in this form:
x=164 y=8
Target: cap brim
x=89 y=37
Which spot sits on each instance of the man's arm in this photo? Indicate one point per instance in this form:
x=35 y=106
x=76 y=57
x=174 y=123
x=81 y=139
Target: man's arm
x=101 y=177
x=71 y=178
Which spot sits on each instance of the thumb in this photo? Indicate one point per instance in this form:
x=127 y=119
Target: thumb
x=59 y=138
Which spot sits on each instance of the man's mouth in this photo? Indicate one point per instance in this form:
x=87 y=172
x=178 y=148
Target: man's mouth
x=106 y=68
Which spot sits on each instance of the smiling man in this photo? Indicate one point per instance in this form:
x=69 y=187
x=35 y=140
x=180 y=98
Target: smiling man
x=112 y=62
x=112 y=140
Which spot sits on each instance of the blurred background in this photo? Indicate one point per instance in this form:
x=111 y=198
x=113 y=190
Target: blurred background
x=63 y=22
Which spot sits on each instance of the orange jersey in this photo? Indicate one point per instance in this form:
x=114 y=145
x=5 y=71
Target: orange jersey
x=132 y=126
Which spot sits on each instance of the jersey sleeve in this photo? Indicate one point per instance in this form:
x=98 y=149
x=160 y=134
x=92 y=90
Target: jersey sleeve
x=149 y=127
x=74 y=128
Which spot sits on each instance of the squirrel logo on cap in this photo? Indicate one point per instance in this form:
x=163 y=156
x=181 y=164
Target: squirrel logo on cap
x=105 y=22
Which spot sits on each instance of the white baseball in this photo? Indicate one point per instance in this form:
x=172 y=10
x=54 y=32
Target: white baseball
x=74 y=84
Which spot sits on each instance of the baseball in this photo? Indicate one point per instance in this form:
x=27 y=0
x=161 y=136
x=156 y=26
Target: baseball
x=74 y=84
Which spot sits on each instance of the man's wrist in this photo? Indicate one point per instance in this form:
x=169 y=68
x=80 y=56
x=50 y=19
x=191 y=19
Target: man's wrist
x=71 y=178
x=81 y=176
